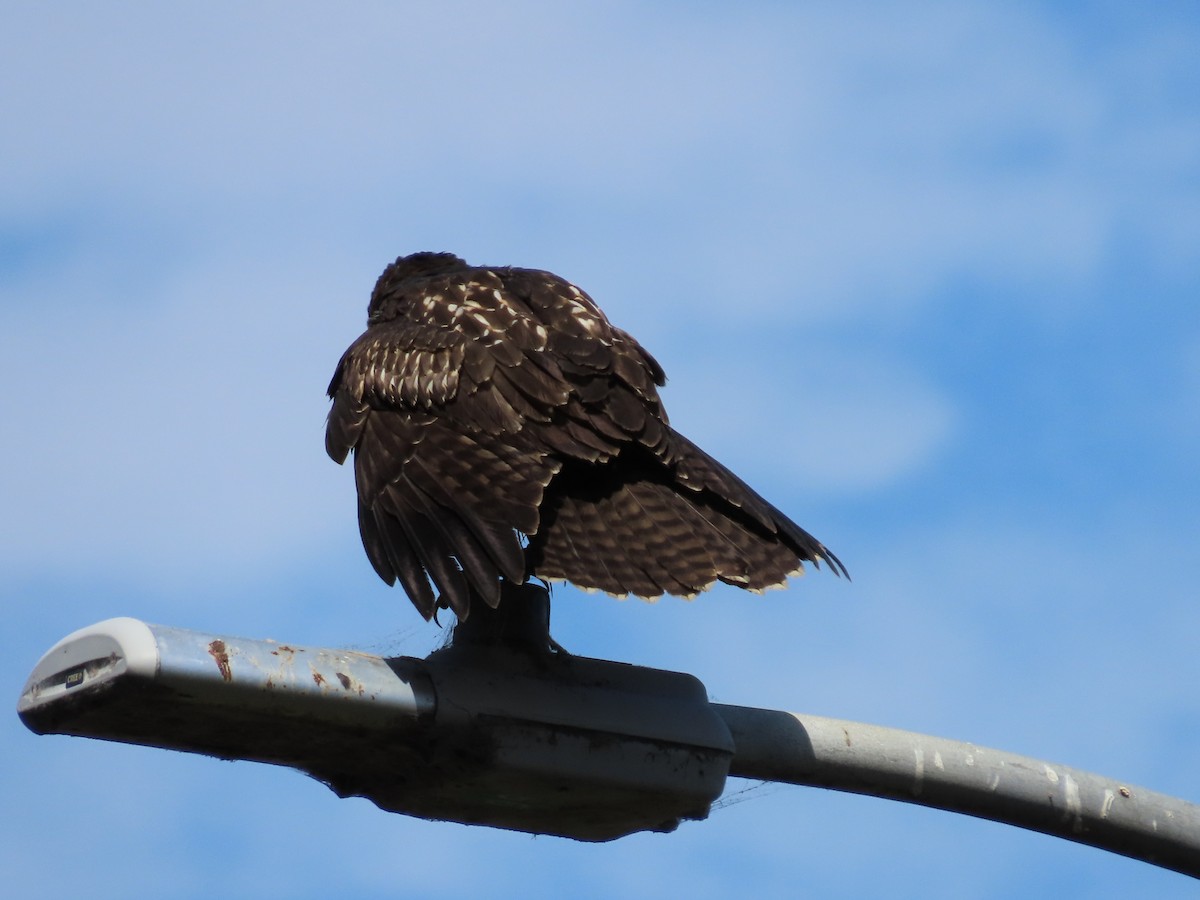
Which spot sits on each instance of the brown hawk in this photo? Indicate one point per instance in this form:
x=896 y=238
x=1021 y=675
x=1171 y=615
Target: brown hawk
x=502 y=429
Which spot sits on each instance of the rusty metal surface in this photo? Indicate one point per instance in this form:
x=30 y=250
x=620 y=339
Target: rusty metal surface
x=509 y=735
x=252 y=675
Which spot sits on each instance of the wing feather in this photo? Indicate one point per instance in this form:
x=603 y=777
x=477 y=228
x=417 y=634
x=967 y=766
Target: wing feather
x=403 y=561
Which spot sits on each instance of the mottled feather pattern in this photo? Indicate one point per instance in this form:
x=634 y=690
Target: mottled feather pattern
x=503 y=429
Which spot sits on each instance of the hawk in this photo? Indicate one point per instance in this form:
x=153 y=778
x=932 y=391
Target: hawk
x=503 y=429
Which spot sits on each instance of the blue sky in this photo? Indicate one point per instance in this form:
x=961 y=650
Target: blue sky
x=926 y=277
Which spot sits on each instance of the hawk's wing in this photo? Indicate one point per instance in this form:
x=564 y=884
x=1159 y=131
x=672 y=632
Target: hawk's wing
x=464 y=398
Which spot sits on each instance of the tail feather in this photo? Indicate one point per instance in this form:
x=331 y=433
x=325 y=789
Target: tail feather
x=647 y=529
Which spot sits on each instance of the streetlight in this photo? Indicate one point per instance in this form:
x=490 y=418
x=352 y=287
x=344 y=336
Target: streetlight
x=500 y=729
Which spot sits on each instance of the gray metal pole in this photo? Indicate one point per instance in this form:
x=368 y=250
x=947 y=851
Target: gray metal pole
x=498 y=730
x=961 y=777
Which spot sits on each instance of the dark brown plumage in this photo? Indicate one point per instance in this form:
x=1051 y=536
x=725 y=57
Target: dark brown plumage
x=503 y=429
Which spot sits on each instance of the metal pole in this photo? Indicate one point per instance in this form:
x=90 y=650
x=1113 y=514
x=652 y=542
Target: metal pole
x=961 y=777
x=499 y=730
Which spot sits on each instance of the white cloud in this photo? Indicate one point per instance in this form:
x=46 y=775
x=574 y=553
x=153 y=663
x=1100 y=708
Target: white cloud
x=814 y=419
x=855 y=163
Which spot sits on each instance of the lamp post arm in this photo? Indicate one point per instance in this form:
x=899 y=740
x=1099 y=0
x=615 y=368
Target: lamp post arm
x=965 y=778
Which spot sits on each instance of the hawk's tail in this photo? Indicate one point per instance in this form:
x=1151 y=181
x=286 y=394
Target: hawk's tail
x=673 y=529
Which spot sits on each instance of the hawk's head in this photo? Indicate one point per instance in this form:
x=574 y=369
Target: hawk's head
x=415 y=265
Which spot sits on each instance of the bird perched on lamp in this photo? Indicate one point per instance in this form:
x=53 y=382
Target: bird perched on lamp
x=503 y=429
